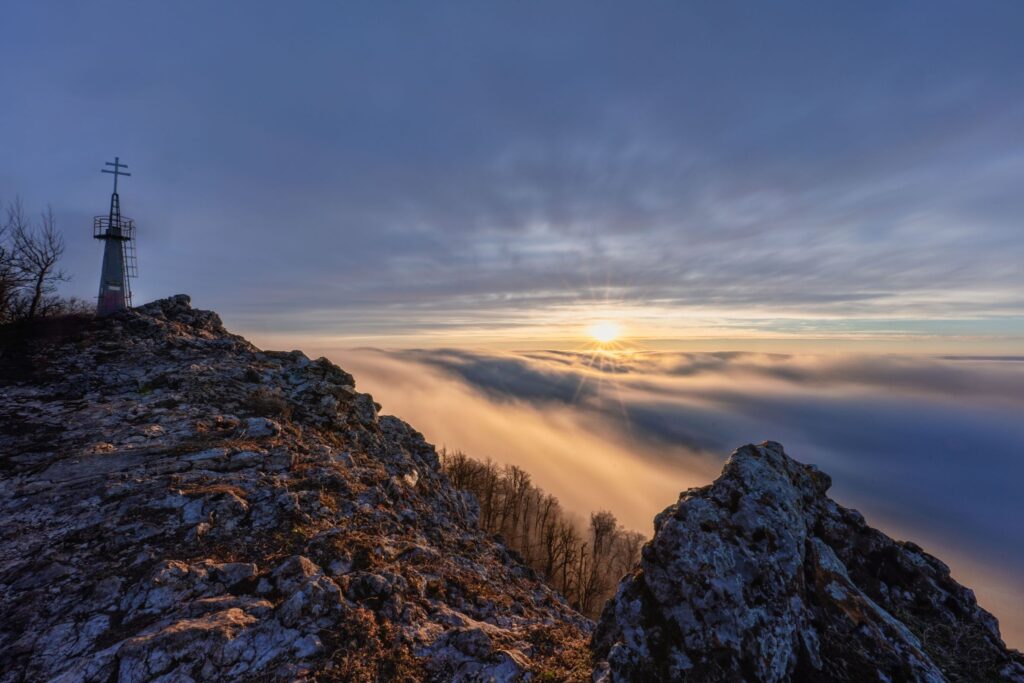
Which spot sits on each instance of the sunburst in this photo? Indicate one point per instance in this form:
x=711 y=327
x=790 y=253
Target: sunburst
x=605 y=331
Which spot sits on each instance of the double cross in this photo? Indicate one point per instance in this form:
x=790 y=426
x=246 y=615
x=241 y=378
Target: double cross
x=116 y=163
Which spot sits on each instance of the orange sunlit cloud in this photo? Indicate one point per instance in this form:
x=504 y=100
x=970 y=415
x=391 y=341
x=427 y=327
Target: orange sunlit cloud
x=628 y=430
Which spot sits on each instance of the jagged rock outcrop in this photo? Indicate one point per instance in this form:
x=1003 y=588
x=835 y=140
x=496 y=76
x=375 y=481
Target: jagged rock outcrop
x=761 y=577
x=178 y=505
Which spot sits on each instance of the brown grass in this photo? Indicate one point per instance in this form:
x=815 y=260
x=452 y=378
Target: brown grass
x=214 y=489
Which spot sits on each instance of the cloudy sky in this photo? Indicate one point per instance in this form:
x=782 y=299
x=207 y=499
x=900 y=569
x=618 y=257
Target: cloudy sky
x=755 y=192
x=736 y=174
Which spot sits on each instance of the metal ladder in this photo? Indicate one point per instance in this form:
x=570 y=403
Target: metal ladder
x=131 y=265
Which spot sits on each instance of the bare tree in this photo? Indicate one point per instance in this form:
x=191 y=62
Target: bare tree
x=10 y=276
x=584 y=563
x=9 y=283
x=36 y=252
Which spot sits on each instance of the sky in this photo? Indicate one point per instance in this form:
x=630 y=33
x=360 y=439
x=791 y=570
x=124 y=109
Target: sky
x=709 y=174
x=805 y=218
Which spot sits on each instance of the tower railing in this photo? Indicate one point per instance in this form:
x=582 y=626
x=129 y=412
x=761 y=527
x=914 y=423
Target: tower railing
x=119 y=229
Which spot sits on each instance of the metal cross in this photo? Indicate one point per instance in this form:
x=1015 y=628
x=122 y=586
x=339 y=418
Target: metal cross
x=116 y=163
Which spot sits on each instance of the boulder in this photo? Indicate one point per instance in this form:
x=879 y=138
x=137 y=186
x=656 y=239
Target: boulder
x=762 y=577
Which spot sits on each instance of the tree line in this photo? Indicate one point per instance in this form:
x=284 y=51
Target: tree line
x=30 y=254
x=583 y=561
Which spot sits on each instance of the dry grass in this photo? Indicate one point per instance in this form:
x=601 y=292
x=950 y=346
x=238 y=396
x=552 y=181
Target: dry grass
x=213 y=490
x=265 y=403
x=370 y=651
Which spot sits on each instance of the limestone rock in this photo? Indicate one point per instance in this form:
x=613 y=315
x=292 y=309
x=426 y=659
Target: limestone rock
x=761 y=577
x=177 y=505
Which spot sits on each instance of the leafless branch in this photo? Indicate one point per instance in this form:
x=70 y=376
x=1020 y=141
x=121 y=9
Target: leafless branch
x=36 y=252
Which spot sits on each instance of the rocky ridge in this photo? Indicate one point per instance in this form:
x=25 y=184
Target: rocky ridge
x=177 y=505
x=761 y=577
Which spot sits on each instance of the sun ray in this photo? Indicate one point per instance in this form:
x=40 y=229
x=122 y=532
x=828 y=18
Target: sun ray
x=605 y=331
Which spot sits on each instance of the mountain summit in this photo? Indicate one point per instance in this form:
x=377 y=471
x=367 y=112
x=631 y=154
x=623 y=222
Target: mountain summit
x=178 y=505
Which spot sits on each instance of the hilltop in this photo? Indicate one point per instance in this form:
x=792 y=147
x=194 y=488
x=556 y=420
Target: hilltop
x=178 y=505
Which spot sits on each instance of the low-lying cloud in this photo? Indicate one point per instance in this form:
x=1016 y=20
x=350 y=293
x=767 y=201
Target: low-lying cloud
x=927 y=448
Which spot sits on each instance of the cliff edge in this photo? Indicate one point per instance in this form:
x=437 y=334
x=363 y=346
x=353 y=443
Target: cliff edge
x=177 y=505
x=761 y=577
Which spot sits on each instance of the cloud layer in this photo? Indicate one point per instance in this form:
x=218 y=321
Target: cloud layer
x=927 y=448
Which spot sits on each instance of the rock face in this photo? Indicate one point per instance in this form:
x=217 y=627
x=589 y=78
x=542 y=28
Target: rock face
x=761 y=577
x=178 y=505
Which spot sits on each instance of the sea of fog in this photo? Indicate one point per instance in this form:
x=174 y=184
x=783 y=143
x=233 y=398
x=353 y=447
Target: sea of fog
x=930 y=449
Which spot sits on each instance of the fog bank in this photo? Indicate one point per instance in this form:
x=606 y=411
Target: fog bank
x=924 y=447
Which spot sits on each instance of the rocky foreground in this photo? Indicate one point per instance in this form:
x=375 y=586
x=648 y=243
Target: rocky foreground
x=761 y=577
x=177 y=505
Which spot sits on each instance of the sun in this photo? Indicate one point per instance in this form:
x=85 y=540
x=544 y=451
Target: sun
x=604 y=331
